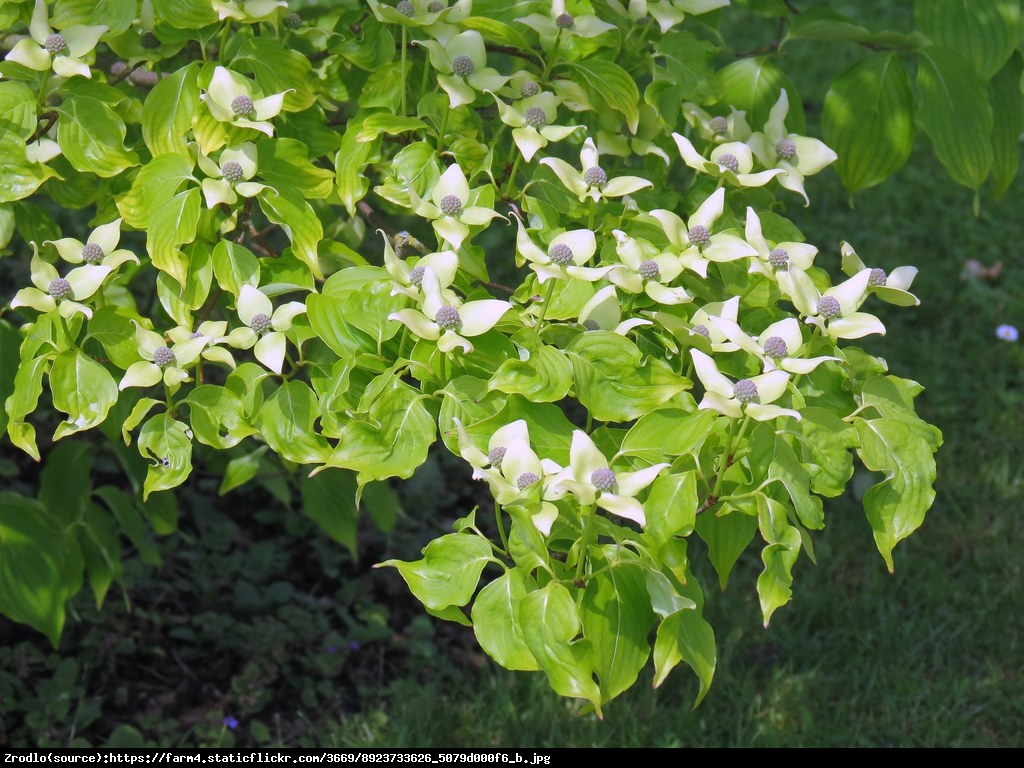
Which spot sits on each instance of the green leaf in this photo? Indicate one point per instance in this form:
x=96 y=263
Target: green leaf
x=34 y=222
x=181 y=301
x=168 y=443
x=825 y=450
x=683 y=72
x=125 y=737
x=780 y=553
x=902 y=449
x=616 y=615
x=550 y=624
x=186 y=14
x=9 y=358
x=101 y=549
x=167 y=112
x=827 y=25
x=984 y=31
x=482 y=413
x=893 y=396
x=686 y=636
x=7 y=225
x=372 y=50
x=117 y=15
x=496 y=31
x=172 y=224
x=613 y=383
x=787 y=470
x=70 y=189
x=17 y=109
x=139 y=411
x=130 y=523
x=956 y=114
x=392 y=440
x=353 y=156
x=83 y=389
x=329 y=500
x=18 y=177
x=664 y=596
x=672 y=506
x=66 y=481
x=28 y=385
x=545 y=377
x=91 y=136
x=286 y=421
x=368 y=307
x=526 y=544
x=299 y=222
x=246 y=381
x=449 y=571
x=284 y=163
x=668 y=432
x=324 y=313
x=235 y=265
x=277 y=68
x=34 y=583
x=381 y=503
x=868 y=120
x=241 y=470
x=754 y=85
x=216 y=416
x=1007 y=124
x=156 y=183
x=112 y=327
x=496 y=620
x=727 y=536
x=383 y=88
x=380 y=123
x=610 y=85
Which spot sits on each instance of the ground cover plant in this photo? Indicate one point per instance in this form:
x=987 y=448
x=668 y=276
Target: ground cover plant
x=669 y=355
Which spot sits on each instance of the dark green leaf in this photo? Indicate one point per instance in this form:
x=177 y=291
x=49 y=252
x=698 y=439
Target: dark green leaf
x=1007 y=124
x=754 y=85
x=985 y=32
x=956 y=114
x=33 y=587
x=329 y=500
x=868 y=120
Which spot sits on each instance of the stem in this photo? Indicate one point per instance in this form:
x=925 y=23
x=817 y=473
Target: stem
x=444 y=368
x=544 y=306
x=64 y=328
x=512 y=175
x=501 y=528
x=43 y=82
x=590 y=216
x=405 y=42
x=726 y=463
x=551 y=57
x=441 y=132
x=588 y=534
x=171 y=411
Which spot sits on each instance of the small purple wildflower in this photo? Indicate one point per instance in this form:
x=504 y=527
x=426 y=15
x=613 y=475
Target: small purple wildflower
x=230 y=722
x=1007 y=333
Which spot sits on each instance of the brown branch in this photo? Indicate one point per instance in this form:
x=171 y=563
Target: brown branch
x=122 y=72
x=46 y=121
